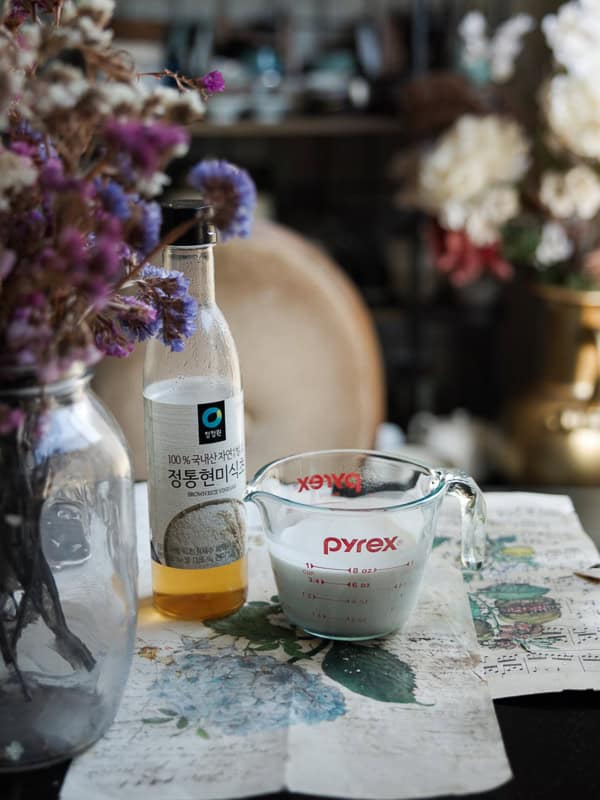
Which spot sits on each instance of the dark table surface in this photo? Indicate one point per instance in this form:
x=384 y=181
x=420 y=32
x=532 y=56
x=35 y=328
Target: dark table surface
x=552 y=740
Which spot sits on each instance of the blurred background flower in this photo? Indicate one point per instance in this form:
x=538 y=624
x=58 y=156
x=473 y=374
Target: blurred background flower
x=531 y=192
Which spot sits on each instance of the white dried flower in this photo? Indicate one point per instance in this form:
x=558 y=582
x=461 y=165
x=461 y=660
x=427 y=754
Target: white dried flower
x=120 y=99
x=572 y=108
x=30 y=37
x=554 y=245
x=573 y=34
x=474 y=155
x=59 y=89
x=150 y=187
x=92 y=33
x=575 y=193
x=100 y=11
x=11 y=84
x=506 y=46
x=16 y=174
x=80 y=30
x=180 y=107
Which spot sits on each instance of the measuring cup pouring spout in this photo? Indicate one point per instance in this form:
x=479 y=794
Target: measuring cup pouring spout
x=349 y=533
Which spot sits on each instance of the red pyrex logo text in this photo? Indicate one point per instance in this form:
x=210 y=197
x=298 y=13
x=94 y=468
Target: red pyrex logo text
x=349 y=481
x=376 y=545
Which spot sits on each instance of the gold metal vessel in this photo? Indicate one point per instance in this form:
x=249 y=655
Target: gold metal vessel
x=555 y=425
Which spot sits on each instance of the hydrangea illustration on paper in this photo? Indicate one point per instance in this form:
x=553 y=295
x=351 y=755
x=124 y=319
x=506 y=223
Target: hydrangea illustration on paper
x=235 y=688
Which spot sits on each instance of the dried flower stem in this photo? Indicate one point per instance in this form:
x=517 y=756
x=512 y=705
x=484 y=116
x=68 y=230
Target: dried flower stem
x=182 y=82
x=23 y=565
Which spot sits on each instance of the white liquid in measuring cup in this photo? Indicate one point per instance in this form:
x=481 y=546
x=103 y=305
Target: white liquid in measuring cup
x=341 y=580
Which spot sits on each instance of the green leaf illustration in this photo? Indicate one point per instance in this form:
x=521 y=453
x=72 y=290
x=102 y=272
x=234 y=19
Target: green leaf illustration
x=252 y=622
x=476 y=610
x=440 y=540
x=156 y=720
x=202 y=733
x=167 y=712
x=293 y=649
x=371 y=671
x=182 y=723
x=514 y=591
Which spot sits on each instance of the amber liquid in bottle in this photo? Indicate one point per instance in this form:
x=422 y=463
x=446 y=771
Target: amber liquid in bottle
x=199 y=593
x=195 y=455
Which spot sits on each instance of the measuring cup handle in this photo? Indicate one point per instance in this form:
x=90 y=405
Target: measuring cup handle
x=473 y=514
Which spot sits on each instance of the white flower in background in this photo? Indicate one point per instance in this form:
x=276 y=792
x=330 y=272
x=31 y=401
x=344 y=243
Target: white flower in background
x=489 y=213
x=554 y=245
x=573 y=34
x=482 y=216
x=467 y=179
x=16 y=174
x=498 y=53
x=506 y=46
x=472 y=30
x=572 y=109
x=572 y=194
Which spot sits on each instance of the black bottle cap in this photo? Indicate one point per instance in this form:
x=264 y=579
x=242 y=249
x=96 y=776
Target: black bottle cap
x=178 y=211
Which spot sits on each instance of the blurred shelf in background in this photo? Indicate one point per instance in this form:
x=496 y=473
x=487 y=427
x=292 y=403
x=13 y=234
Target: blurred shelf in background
x=314 y=109
x=342 y=125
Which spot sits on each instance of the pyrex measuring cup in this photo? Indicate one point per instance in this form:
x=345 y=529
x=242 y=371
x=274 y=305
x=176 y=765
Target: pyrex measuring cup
x=349 y=532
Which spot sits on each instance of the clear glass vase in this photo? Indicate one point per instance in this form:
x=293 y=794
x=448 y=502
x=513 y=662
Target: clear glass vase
x=68 y=570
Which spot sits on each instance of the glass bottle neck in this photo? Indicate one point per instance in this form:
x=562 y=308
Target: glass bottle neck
x=198 y=266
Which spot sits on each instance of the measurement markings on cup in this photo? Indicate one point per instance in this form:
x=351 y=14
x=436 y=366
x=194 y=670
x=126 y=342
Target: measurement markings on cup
x=358 y=570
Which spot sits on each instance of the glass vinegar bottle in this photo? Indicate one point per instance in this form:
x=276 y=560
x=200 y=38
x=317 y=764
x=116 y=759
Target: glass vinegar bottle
x=194 y=425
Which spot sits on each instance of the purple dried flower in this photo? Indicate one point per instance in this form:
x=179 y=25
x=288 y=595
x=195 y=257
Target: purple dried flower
x=71 y=251
x=230 y=191
x=53 y=370
x=7 y=262
x=178 y=320
x=139 y=320
x=10 y=419
x=16 y=14
x=28 y=333
x=22 y=148
x=115 y=200
x=24 y=136
x=109 y=339
x=146 y=233
x=53 y=178
x=148 y=145
x=176 y=310
x=212 y=82
x=173 y=284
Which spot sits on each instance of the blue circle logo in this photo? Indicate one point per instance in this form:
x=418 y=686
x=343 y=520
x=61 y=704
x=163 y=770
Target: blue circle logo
x=212 y=417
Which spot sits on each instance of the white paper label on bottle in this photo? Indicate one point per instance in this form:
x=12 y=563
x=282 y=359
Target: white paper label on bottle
x=196 y=479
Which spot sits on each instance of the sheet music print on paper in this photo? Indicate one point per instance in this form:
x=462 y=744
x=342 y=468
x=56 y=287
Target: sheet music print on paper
x=538 y=624
x=246 y=705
